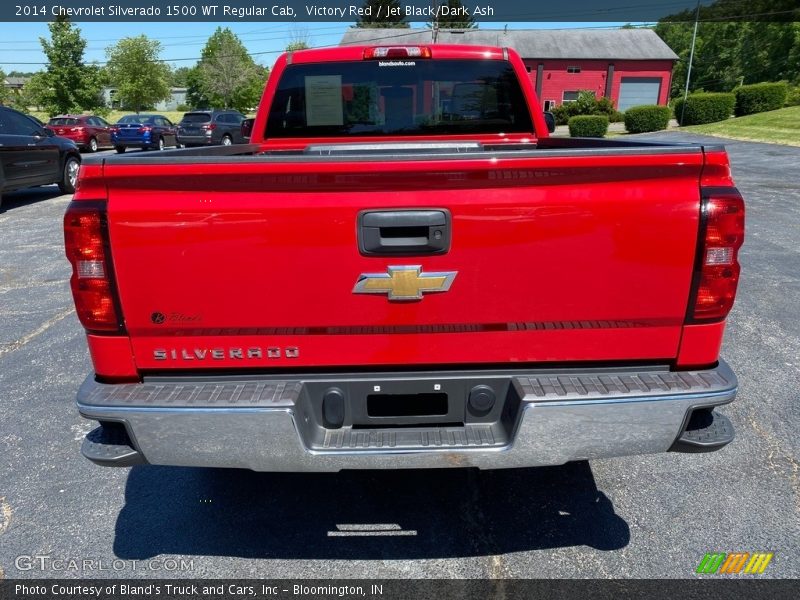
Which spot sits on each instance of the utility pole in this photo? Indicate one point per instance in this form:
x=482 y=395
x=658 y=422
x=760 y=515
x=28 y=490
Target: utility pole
x=691 y=59
x=435 y=28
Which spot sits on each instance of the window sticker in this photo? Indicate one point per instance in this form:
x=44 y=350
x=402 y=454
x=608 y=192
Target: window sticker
x=324 y=100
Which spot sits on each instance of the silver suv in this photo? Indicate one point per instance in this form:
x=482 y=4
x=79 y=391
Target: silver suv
x=210 y=127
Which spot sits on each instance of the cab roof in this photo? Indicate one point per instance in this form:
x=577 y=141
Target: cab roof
x=356 y=53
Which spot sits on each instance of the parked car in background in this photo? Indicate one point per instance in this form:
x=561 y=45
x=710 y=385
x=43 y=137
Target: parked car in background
x=89 y=132
x=211 y=127
x=143 y=131
x=32 y=155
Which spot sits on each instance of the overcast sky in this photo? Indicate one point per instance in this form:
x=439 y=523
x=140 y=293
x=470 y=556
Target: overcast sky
x=20 y=49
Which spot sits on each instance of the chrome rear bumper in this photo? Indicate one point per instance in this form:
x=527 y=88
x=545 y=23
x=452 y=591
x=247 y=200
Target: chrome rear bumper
x=276 y=423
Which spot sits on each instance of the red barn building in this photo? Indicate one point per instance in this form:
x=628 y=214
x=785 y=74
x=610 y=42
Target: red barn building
x=629 y=66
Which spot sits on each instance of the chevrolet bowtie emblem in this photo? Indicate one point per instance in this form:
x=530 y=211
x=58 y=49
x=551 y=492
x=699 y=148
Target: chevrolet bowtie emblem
x=404 y=283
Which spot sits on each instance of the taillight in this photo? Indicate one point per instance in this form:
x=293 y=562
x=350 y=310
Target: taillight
x=92 y=282
x=717 y=267
x=378 y=52
x=145 y=129
x=209 y=126
x=114 y=129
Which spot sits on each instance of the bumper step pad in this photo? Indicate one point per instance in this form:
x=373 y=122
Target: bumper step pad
x=470 y=436
x=110 y=446
x=706 y=431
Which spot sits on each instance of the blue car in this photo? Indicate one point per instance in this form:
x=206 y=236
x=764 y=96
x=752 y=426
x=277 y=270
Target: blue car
x=143 y=131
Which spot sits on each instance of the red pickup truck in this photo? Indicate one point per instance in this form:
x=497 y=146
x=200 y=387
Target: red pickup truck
x=403 y=269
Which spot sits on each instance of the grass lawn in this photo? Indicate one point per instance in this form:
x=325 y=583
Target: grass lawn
x=776 y=126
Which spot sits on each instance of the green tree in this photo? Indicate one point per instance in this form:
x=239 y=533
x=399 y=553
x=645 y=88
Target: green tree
x=4 y=91
x=379 y=14
x=678 y=36
x=298 y=39
x=195 y=96
x=731 y=48
x=69 y=84
x=730 y=53
x=794 y=53
x=34 y=94
x=135 y=70
x=179 y=77
x=452 y=20
x=296 y=45
x=717 y=58
x=227 y=76
x=769 y=48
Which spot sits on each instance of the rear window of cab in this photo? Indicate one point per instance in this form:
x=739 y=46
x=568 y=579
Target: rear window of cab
x=398 y=97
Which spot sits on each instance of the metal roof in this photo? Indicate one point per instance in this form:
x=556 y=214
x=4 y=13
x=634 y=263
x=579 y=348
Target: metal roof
x=591 y=44
x=16 y=81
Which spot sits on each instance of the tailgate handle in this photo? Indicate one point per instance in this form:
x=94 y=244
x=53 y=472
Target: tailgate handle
x=404 y=232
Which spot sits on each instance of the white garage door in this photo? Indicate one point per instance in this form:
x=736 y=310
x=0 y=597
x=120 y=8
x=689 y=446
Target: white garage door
x=634 y=91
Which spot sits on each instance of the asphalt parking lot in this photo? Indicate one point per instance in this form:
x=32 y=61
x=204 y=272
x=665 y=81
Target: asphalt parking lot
x=648 y=516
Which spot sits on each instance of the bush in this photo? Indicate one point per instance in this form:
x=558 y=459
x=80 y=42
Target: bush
x=588 y=126
x=616 y=117
x=102 y=111
x=561 y=113
x=704 y=108
x=641 y=119
x=604 y=106
x=760 y=97
x=793 y=97
x=183 y=108
x=677 y=108
x=586 y=104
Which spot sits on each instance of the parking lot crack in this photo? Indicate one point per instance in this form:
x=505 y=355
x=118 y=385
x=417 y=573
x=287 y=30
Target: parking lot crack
x=776 y=453
x=19 y=343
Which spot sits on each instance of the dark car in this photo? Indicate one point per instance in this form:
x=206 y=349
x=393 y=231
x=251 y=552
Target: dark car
x=89 y=132
x=143 y=131
x=210 y=127
x=32 y=155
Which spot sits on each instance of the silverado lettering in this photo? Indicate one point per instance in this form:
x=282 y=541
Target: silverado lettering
x=467 y=290
x=221 y=354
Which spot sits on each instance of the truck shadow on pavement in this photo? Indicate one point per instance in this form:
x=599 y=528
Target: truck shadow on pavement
x=363 y=514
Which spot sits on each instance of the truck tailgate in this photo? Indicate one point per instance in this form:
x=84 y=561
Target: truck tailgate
x=253 y=261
